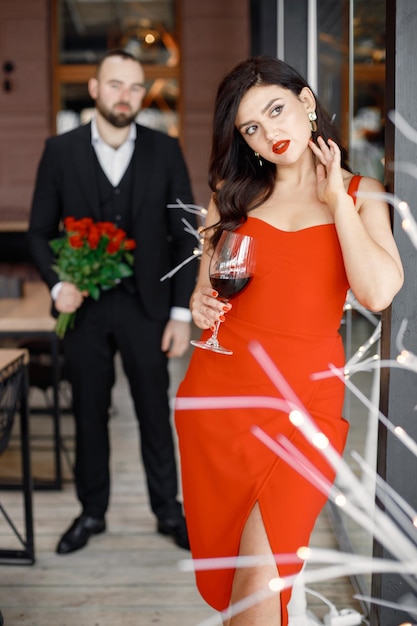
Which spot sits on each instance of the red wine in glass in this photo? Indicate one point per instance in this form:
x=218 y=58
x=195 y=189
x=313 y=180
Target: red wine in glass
x=231 y=270
x=229 y=286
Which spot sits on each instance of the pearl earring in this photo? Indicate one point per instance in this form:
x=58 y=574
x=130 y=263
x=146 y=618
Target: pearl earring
x=312 y=116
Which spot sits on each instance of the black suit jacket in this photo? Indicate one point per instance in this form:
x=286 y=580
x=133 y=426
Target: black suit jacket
x=65 y=186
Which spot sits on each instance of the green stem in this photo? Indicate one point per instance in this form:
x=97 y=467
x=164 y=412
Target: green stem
x=64 y=321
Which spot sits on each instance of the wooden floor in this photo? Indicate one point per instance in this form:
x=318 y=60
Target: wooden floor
x=130 y=575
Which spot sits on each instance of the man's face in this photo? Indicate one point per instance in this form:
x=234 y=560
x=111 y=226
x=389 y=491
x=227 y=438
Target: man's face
x=118 y=90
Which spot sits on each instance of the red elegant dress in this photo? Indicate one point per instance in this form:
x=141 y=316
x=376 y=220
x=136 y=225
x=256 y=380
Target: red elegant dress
x=293 y=307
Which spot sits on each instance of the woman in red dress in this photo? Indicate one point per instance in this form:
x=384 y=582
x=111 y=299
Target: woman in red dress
x=278 y=176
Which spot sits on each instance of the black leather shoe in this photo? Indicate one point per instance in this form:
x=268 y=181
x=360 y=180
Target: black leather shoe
x=78 y=534
x=176 y=529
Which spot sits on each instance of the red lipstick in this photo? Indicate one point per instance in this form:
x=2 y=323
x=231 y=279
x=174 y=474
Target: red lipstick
x=280 y=146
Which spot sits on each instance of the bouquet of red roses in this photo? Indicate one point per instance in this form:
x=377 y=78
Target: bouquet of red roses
x=92 y=256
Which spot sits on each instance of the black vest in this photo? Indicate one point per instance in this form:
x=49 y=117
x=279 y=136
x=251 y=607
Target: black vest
x=115 y=206
x=115 y=202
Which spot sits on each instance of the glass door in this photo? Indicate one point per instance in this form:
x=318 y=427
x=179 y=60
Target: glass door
x=351 y=76
x=351 y=83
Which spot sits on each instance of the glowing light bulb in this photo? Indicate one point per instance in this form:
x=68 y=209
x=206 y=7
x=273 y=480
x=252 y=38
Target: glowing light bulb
x=296 y=417
x=276 y=584
x=403 y=206
x=303 y=553
x=405 y=224
x=340 y=500
x=320 y=441
x=403 y=356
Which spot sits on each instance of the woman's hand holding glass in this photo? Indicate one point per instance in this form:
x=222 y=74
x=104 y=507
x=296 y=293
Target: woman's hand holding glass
x=206 y=308
x=231 y=270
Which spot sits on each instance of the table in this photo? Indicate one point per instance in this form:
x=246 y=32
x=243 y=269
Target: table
x=13 y=395
x=30 y=317
x=14 y=226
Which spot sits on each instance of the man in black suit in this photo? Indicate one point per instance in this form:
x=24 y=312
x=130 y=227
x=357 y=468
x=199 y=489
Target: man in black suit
x=113 y=169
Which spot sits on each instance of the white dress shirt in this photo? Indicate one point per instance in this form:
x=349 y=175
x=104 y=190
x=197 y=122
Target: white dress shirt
x=114 y=161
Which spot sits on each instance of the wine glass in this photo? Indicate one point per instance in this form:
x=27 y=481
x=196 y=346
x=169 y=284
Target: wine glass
x=231 y=269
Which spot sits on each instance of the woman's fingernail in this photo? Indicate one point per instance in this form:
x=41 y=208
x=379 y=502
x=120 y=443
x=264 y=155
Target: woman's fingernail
x=214 y=294
x=222 y=318
x=226 y=307
x=213 y=328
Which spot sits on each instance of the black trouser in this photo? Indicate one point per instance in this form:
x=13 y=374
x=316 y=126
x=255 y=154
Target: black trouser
x=117 y=322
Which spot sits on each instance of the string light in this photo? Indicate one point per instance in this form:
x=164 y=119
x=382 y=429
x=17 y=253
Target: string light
x=276 y=584
x=200 y=211
x=320 y=441
x=403 y=357
x=296 y=417
x=304 y=553
x=340 y=500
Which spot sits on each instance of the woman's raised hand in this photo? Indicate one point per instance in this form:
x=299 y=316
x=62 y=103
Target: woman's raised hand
x=206 y=308
x=329 y=172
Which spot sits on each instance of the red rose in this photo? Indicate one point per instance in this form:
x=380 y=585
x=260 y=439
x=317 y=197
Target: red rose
x=130 y=244
x=75 y=241
x=93 y=237
x=107 y=228
x=113 y=246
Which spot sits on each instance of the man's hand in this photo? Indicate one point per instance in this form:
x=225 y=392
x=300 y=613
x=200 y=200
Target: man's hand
x=176 y=338
x=69 y=298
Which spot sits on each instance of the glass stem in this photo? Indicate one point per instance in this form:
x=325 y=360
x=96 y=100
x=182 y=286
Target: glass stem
x=213 y=339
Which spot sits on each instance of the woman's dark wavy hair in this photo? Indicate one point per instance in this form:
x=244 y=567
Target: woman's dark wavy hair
x=238 y=182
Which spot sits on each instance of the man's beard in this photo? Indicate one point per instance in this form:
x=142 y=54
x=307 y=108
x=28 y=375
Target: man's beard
x=118 y=120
